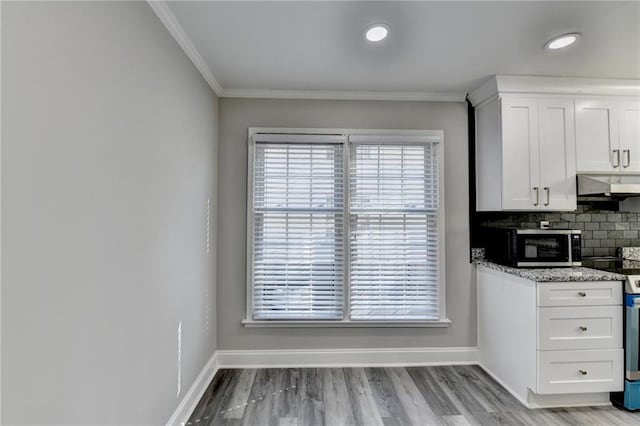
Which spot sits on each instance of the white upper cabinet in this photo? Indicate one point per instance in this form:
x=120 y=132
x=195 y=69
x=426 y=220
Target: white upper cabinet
x=608 y=135
x=597 y=136
x=557 y=154
x=629 y=130
x=534 y=133
x=520 y=147
x=528 y=162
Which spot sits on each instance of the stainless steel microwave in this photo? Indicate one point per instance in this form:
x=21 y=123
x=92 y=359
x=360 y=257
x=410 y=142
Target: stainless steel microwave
x=533 y=247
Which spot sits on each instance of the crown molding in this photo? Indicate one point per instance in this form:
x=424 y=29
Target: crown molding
x=570 y=86
x=344 y=95
x=175 y=29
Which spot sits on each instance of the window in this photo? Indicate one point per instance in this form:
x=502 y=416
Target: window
x=298 y=202
x=345 y=227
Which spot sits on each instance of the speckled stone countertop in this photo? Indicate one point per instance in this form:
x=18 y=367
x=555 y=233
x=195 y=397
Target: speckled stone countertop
x=630 y=264
x=631 y=253
x=576 y=273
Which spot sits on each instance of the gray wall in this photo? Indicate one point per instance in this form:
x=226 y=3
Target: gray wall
x=236 y=115
x=109 y=144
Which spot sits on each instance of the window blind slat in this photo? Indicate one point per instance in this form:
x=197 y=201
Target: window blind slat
x=298 y=254
x=393 y=219
x=298 y=138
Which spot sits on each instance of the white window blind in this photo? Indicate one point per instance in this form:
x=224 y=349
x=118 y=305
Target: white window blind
x=298 y=225
x=394 y=241
x=345 y=227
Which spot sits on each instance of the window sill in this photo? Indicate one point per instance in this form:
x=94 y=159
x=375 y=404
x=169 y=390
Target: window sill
x=348 y=324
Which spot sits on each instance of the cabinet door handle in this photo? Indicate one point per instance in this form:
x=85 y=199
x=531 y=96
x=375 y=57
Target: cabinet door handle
x=548 y=191
x=535 y=188
x=616 y=156
x=582 y=328
x=582 y=294
x=626 y=154
x=583 y=372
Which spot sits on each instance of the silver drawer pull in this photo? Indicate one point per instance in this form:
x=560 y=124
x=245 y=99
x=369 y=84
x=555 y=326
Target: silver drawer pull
x=582 y=294
x=582 y=328
x=583 y=372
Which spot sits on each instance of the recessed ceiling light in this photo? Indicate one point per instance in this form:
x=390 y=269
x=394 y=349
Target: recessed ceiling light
x=377 y=32
x=562 y=41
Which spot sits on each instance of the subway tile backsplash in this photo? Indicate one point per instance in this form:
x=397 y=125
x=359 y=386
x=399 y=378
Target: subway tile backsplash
x=603 y=228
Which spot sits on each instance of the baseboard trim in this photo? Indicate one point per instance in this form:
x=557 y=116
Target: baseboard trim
x=322 y=358
x=195 y=392
x=568 y=400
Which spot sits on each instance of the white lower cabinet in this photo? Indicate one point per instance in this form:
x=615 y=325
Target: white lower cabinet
x=597 y=370
x=549 y=343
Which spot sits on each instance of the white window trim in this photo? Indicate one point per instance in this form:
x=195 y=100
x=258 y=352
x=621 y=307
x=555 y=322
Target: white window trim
x=390 y=136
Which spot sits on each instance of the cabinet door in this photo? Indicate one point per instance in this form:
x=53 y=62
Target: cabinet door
x=557 y=154
x=597 y=147
x=520 y=159
x=629 y=125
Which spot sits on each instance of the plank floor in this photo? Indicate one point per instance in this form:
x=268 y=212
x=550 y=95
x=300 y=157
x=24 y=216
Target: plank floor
x=448 y=395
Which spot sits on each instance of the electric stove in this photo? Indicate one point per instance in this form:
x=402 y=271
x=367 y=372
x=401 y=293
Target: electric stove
x=630 y=397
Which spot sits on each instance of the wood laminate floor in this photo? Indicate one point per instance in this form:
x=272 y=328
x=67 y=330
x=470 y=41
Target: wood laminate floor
x=448 y=395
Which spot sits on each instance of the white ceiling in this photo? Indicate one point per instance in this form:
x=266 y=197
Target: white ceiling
x=435 y=47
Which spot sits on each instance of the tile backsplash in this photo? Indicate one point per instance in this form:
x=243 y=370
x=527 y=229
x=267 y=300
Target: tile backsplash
x=604 y=229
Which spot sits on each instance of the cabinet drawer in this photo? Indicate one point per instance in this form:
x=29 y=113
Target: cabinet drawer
x=582 y=327
x=589 y=293
x=598 y=370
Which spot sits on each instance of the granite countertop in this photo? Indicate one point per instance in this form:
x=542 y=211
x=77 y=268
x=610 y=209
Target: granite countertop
x=630 y=253
x=575 y=273
x=630 y=264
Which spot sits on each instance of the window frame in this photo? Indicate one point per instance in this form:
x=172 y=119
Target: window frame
x=383 y=136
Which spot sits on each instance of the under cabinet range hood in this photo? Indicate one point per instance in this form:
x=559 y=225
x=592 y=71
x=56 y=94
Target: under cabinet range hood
x=609 y=185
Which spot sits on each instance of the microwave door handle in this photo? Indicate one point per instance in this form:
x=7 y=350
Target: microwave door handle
x=570 y=249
